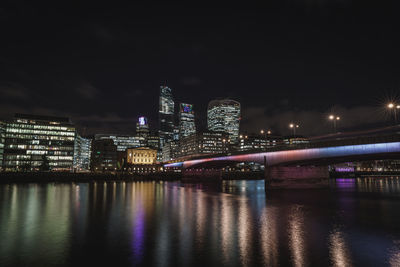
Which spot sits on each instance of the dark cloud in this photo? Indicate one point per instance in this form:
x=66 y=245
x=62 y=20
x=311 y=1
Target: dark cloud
x=13 y=91
x=87 y=91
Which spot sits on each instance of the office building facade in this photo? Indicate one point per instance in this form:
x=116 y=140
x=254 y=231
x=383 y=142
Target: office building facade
x=187 y=124
x=82 y=153
x=2 y=140
x=123 y=141
x=224 y=116
x=166 y=115
x=32 y=142
x=104 y=155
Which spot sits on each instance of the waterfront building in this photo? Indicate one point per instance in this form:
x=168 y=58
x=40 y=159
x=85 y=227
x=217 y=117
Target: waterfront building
x=205 y=143
x=38 y=143
x=257 y=142
x=224 y=116
x=142 y=127
x=141 y=156
x=187 y=124
x=170 y=151
x=104 y=155
x=295 y=140
x=123 y=141
x=2 y=139
x=166 y=115
x=82 y=153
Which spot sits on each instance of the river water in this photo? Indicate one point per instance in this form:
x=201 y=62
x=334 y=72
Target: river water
x=354 y=222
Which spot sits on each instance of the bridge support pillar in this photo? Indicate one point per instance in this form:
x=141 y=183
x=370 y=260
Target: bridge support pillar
x=296 y=177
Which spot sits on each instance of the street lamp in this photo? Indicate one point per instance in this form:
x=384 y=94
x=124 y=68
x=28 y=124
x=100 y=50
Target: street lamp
x=394 y=107
x=334 y=119
x=293 y=126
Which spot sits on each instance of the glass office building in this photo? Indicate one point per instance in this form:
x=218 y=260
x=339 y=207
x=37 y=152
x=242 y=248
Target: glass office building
x=32 y=142
x=187 y=124
x=224 y=116
x=2 y=139
x=123 y=141
x=166 y=115
x=82 y=153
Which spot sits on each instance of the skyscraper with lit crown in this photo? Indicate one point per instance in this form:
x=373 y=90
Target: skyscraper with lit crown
x=187 y=124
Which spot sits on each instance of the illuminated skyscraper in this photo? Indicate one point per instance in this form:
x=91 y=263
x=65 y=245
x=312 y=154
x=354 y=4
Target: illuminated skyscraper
x=186 y=120
x=224 y=116
x=166 y=115
x=142 y=127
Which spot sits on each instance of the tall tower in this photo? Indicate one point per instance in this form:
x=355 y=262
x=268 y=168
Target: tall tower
x=166 y=115
x=142 y=127
x=224 y=116
x=187 y=124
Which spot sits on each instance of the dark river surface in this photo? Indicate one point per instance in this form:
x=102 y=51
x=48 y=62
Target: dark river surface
x=354 y=222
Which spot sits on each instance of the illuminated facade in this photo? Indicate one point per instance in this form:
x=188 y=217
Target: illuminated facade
x=198 y=144
x=34 y=141
x=2 y=139
x=104 y=155
x=123 y=141
x=257 y=142
x=224 y=116
x=142 y=127
x=141 y=156
x=187 y=124
x=166 y=115
x=82 y=153
x=170 y=151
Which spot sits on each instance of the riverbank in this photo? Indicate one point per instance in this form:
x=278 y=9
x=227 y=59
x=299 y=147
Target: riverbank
x=45 y=177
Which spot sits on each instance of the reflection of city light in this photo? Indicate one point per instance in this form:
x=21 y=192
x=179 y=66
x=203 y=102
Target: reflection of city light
x=269 y=237
x=245 y=239
x=226 y=228
x=296 y=237
x=338 y=250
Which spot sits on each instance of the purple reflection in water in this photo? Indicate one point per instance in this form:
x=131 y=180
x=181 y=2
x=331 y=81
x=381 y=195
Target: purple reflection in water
x=138 y=234
x=345 y=183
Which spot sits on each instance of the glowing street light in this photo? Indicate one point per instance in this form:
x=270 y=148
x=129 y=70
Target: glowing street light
x=293 y=126
x=334 y=119
x=394 y=107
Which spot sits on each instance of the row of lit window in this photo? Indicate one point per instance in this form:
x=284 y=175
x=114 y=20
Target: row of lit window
x=38 y=126
x=30 y=131
x=40 y=137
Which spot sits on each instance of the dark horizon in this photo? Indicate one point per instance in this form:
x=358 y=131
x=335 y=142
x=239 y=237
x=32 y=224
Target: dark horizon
x=103 y=66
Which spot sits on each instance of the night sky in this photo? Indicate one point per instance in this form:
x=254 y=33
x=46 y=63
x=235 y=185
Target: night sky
x=103 y=65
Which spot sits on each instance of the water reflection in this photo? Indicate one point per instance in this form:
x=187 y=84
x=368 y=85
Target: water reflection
x=338 y=249
x=169 y=224
x=296 y=236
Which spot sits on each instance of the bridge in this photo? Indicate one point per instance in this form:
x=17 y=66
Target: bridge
x=308 y=160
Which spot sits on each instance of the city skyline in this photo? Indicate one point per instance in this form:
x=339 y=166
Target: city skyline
x=282 y=63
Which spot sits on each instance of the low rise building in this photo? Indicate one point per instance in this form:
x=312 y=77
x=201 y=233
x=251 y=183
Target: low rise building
x=104 y=155
x=141 y=156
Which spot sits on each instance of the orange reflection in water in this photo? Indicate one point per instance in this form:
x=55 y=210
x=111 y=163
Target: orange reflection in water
x=338 y=250
x=297 y=244
x=269 y=236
